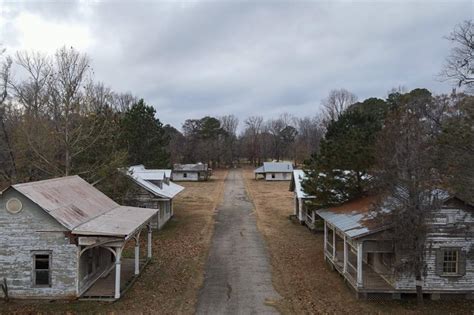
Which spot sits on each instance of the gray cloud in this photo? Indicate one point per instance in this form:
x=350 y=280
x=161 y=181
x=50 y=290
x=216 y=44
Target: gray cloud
x=193 y=59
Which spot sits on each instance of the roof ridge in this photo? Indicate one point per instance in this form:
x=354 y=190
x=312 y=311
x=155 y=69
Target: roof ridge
x=46 y=180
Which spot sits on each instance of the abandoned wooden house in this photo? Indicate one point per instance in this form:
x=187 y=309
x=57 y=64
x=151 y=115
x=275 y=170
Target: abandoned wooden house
x=302 y=210
x=63 y=239
x=191 y=172
x=273 y=171
x=360 y=249
x=152 y=188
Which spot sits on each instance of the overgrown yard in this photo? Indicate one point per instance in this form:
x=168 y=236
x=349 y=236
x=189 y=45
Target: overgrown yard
x=170 y=283
x=299 y=272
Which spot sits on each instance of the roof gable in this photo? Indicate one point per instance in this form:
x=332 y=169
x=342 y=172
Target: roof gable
x=70 y=200
x=152 y=181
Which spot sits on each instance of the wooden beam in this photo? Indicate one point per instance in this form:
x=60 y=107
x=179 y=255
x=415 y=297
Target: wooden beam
x=359 y=264
x=334 y=243
x=118 y=256
x=325 y=237
x=149 y=240
x=344 y=270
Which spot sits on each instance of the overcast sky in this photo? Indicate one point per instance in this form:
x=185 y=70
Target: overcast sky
x=191 y=59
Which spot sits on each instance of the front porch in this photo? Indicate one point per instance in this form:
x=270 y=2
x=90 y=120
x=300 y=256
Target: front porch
x=104 y=287
x=360 y=264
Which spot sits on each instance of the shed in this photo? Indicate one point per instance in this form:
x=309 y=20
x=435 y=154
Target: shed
x=275 y=171
x=191 y=172
x=152 y=188
x=358 y=246
x=63 y=238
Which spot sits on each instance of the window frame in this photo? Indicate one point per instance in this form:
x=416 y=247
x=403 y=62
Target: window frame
x=456 y=262
x=35 y=253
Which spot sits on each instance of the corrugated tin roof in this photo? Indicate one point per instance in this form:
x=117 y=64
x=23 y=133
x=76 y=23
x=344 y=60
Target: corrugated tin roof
x=70 y=200
x=296 y=184
x=190 y=167
x=80 y=207
x=145 y=178
x=354 y=218
x=275 y=167
x=121 y=221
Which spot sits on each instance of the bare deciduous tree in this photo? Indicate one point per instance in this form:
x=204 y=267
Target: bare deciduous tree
x=459 y=65
x=405 y=154
x=336 y=103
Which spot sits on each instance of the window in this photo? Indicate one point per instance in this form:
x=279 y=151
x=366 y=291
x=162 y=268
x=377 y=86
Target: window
x=185 y=175
x=450 y=262
x=41 y=269
x=273 y=175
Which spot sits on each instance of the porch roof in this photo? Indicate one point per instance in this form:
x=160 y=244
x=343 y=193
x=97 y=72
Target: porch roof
x=121 y=221
x=355 y=219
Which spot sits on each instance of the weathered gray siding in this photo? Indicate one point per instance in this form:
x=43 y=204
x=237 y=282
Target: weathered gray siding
x=34 y=230
x=138 y=196
x=453 y=227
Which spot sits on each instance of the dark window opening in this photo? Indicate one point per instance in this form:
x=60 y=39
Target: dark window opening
x=42 y=271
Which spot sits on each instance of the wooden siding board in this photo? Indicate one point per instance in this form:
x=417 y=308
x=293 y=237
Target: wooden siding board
x=34 y=230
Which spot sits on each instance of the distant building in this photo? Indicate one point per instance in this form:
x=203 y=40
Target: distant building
x=273 y=171
x=191 y=172
x=302 y=211
x=360 y=249
x=63 y=239
x=152 y=188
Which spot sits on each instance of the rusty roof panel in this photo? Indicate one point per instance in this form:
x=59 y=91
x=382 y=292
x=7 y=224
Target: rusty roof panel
x=70 y=200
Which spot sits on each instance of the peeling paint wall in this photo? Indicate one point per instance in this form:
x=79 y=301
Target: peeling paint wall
x=34 y=230
x=138 y=196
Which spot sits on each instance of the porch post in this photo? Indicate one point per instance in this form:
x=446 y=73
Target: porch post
x=325 y=237
x=149 y=240
x=359 y=265
x=118 y=256
x=137 y=256
x=345 y=255
x=334 y=243
x=300 y=206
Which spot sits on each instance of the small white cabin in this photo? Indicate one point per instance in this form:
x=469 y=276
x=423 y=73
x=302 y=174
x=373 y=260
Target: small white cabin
x=152 y=188
x=275 y=171
x=191 y=172
x=63 y=239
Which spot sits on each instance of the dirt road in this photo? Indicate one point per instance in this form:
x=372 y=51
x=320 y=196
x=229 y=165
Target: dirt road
x=237 y=274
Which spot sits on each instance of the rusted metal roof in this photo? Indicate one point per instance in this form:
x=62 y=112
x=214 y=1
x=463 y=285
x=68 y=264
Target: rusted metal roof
x=121 y=221
x=355 y=218
x=83 y=209
x=70 y=200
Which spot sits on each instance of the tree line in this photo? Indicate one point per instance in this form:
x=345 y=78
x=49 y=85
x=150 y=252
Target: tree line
x=409 y=151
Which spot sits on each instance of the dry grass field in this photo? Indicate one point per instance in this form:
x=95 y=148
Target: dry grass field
x=299 y=272
x=171 y=282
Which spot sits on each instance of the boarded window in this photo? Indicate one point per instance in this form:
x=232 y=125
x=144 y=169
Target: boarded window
x=42 y=269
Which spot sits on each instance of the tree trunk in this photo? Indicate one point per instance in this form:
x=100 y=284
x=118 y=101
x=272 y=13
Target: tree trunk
x=419 y=290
